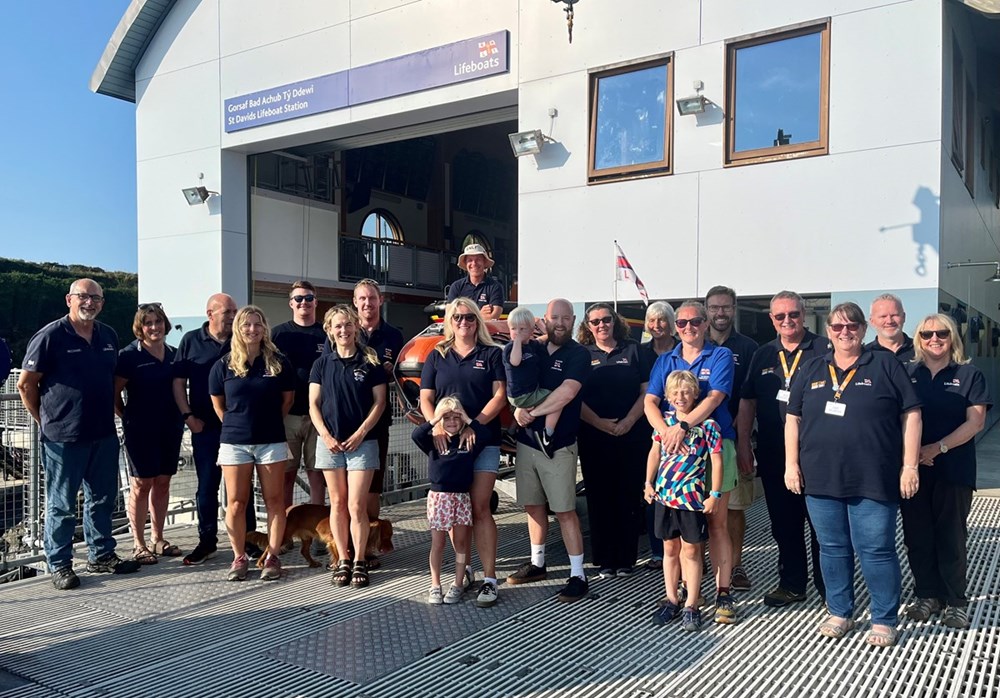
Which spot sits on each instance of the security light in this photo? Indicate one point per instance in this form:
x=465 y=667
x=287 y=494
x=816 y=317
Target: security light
x=995 y=277
x=526 y=142
x=197 y=195
x=691 y=105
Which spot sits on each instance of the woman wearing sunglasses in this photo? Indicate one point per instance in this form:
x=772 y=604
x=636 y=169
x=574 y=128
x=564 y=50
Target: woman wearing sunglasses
x=468 y=365
x=955 y=398
x=852 y=442
x=613 y=439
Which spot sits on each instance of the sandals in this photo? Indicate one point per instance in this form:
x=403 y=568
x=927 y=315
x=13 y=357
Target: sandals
x=882 y=637
x=162 y=547
x=341 y=574
x=836 y=627
x=359 y=576
x=143 y=556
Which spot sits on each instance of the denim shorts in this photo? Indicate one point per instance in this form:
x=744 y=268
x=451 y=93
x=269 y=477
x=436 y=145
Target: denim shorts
x=259 y=454
x=365 y=458
x=488 y=461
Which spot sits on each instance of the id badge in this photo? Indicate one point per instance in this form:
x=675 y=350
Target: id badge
x=783 y=395
x=837 y=409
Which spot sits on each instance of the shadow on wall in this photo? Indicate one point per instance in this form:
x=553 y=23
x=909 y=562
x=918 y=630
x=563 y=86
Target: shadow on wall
x=554 y=154
x=926 y=230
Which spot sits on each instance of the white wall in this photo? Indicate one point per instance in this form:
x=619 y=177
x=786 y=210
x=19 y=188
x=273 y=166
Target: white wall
x=293 y=238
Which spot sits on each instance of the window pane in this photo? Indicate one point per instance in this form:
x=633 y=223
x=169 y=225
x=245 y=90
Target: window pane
x=631 y=128
x=778 y=89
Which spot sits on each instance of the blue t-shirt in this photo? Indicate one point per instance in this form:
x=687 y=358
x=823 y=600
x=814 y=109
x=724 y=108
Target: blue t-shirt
x=487 y=292
x=197 y=353
x=714 y=370
x=571 y=361
x=77 y=390
x=301 y=345
x=149 y=394
x=523 y=378
x=346 y=386
x=253 y=402
x=469 y=378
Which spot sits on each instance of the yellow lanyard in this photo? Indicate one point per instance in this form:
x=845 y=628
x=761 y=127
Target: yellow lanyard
x=838 y=389
x=784 y=366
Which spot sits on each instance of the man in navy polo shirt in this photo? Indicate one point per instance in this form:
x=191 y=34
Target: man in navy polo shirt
x=888 y=317
x=484 y=290
x=539 y=479
x=197 y=352
x=68 y=387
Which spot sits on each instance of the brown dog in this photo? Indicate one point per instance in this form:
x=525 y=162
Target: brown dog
x=308 y=521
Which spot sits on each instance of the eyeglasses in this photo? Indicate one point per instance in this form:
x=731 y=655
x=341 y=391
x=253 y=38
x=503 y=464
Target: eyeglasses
x=307 y=299
x=940 y=334
x=606 y=320
x=838 y=327
x=792 y=315
x=150 y=306
x=463 y=317
x=84 y=297
x=695 y=322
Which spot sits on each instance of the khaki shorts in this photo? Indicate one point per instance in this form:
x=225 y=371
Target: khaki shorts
x=747 y=491
x=301 y=437
x=540 y=480
x=730 y=473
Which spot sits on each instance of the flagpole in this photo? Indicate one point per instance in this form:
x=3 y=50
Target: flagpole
x=614 y=271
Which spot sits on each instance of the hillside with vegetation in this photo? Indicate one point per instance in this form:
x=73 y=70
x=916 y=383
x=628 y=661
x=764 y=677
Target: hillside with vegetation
x=33 y=294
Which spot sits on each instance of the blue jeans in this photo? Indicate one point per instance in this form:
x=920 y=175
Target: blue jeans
x=205 y=448
x=868 y=527
x=68 y=465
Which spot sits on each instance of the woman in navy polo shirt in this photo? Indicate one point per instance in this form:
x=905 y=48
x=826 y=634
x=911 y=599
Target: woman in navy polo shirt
x=152 y=426
x=955 y=400
x=346 y=398
x=852 y=441
x=252 y=389
x=468 y=365
x=614 y=438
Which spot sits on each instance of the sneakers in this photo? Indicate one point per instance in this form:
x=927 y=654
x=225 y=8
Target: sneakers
x=203 y=551
x=112 y=564
x=739 y=581
x=725 y=610
x=625 y=571
x=526 y=574
x=487 y=595
x=544 y=443
x=955 y=617
x=575 y=589
x=238 y=570
x=271 y=569
x=691 y=619
x=923 y=609
x=606 y=573
x=65 y=578
x=779 y=597
x=467 y=580
x=454 y=594
x=434 y=597
x=666 y=613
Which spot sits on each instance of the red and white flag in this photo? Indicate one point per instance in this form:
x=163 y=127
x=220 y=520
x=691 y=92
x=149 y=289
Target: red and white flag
x=624 y=270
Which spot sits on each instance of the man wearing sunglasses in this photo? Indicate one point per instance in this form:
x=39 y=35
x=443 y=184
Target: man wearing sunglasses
x=765 y=396
x=68 y=387
x=888 y=317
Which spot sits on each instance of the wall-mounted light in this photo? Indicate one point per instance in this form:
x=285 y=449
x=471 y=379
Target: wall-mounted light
x=527 y=142
x=991 y=279
x=197 y=195
x=695 y=104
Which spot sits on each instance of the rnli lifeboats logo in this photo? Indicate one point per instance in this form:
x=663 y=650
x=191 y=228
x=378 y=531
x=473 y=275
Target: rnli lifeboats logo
x=479 y=365
x=488 y=48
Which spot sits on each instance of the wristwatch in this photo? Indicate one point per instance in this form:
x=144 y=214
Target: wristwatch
x=715 y=493
x=942 y=447
x=685 y=426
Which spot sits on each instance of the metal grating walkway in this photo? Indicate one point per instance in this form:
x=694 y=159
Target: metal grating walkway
x=179 y=632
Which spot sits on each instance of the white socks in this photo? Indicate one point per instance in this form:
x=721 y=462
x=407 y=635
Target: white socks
x=538 y=555
x=576 y=567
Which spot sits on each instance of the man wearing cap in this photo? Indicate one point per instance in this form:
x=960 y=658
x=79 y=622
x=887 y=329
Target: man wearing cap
x=485 y=291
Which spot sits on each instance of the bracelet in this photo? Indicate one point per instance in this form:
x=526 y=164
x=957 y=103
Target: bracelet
x=715 y=493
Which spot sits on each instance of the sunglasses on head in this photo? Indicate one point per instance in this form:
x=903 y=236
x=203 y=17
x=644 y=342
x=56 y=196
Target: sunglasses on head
x=940 y=334
x=838 y=327
x=150 y=306
x=792 y=315
x=695 y=322
x=307 y=298
x=463 y=317
x=606 y=320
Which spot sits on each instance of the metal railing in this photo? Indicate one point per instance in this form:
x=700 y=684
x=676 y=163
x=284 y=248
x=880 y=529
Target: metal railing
x=392 y=264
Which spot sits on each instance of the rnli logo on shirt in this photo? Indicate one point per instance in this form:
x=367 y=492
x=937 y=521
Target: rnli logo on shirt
x=557 y=365
x=954 y=383
x=623 y=361
x=360 y=374
x=109 y=347
x=482 y=298
x=387 y=354
x=595 y=362
x=736 y=359
x=766 y=371
x=705 y=374
x=319 y=348
x=817 y=384
x=73 y=351
x=866 y=383
x=31 y=362
x=479 y=365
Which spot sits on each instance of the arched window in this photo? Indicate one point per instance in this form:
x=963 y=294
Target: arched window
x=380 y=225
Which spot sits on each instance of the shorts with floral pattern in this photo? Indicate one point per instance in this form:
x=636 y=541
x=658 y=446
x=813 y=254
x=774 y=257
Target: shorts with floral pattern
x=448 y=509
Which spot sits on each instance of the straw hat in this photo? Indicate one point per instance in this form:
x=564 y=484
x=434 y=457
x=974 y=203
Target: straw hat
x=471 y=250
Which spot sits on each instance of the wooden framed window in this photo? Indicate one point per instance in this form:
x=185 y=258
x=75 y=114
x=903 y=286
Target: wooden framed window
x=957 y=106
x=631 y=120
x=778 y=94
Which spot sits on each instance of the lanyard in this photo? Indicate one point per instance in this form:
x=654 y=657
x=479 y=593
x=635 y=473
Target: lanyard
x=784 y=366
x=838 y=389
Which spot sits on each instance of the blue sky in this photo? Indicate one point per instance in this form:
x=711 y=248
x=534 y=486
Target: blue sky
x=67 y=178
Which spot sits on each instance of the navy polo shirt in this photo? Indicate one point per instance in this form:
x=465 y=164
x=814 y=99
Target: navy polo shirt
x=571 y=361
x=650 y=354
x=765 y=377
x=4 y=359
x=905 y=353
x=714 y=370
x=149 y=394
x=301 y=345
x=615 y=378
x=523 y=378
x=470 y=379
x=859 y=454
x=451 y=471
x=77 y=390
x=253 y=403
x=488 y=292
x=945 y=398
x=346 y=386
x=743 y=349
x=197 y=353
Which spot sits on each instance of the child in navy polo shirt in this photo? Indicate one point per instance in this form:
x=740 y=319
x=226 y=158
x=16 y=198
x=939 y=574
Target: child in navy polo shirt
x=449 y=507
x=522 y=363
x=681 y=501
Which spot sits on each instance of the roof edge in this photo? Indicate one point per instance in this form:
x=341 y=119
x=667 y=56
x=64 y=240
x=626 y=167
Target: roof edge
x=114 y=75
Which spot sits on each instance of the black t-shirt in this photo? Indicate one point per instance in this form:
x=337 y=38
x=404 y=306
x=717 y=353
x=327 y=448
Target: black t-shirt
x=650 y=355
x=451 y=471
x=196 y=355
x=149 y=393
x=743 y=349
x=765 y=377
x=905 y=353
x=253 y=403
x=859 y=454
x=487 y=292
x=470 y=379
x=615 y=380
x=77 y=390
x=346 y=387
x=301 y=346
x=945 y=398
x=571 y=361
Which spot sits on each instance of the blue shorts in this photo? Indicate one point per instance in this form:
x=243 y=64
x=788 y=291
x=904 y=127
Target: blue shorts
x=488 y=461
x=365 y=458
x=258 y=454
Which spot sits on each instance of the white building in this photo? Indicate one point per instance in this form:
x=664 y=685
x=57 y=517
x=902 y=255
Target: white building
x=316 y=121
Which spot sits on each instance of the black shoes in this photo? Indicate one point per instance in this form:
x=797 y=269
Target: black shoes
x=203 y=551
x=575 y=589
x=527 y=573
x=65 y=578
x=112 y=564
x=780 y=597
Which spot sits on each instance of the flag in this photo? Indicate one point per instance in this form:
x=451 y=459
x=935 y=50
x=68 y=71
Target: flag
x=624 y=270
